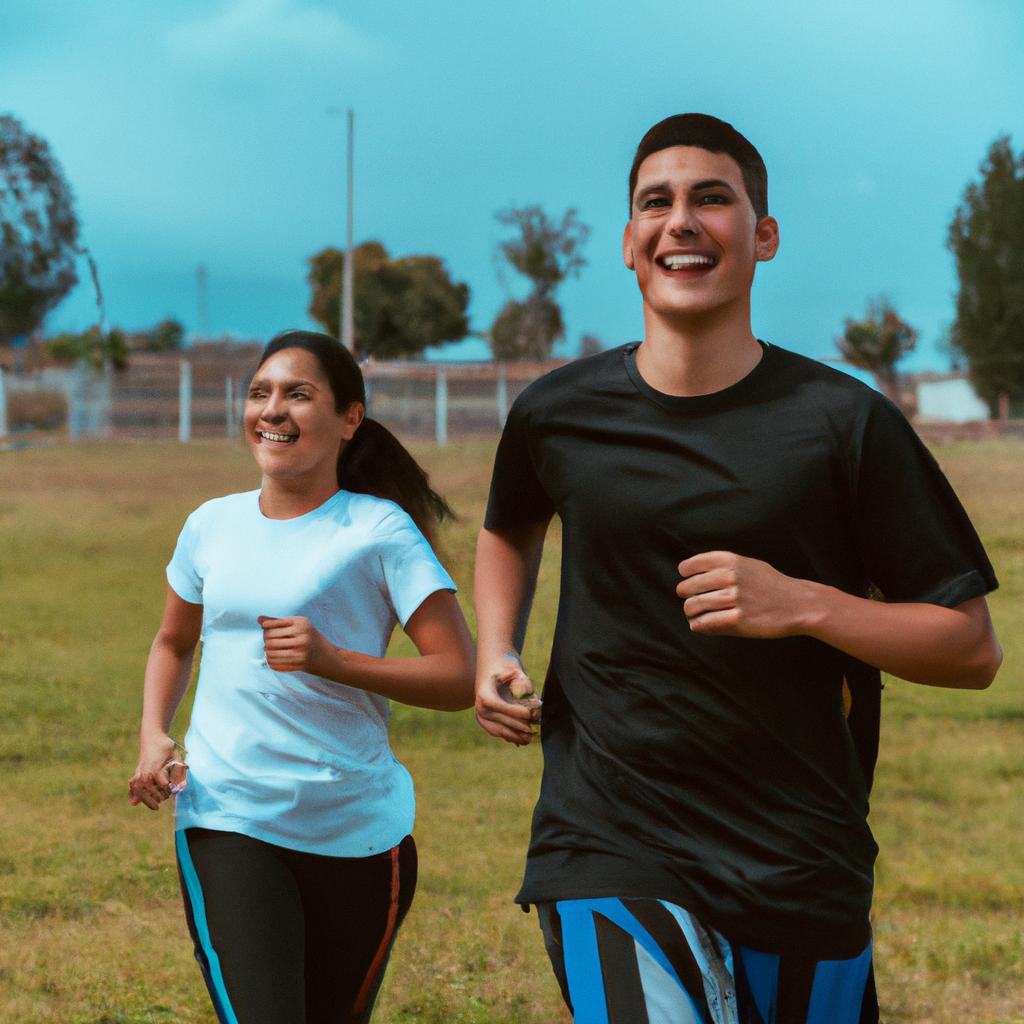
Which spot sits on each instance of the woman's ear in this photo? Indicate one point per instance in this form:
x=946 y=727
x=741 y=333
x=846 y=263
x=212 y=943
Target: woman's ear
x=352 y=416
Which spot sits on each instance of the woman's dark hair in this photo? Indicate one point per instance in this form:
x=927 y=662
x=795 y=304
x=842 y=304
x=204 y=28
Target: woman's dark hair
x=374 y=461
x=706 y=132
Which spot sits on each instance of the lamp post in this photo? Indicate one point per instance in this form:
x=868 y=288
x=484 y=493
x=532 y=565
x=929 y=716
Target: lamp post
x=345 y=294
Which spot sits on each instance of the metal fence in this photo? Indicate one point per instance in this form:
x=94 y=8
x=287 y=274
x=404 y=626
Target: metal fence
x=200 y=394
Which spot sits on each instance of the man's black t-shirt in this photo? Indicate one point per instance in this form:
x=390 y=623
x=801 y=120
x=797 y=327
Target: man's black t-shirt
x=719 y=773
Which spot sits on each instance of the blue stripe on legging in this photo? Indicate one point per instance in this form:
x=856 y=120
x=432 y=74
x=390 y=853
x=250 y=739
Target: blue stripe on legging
x=762 y=971
x=838 y=990
x=194 y=891
x=612 y=908
x=582 y=961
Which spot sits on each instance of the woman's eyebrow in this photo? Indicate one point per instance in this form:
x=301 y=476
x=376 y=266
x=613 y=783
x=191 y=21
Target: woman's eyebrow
x=261 y=382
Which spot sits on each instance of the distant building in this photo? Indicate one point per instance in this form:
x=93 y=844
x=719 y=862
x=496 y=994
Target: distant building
x=948 y=397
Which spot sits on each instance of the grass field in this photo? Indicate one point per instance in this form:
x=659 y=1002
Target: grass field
x=91 y=930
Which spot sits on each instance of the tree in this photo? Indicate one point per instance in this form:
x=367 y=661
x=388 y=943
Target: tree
x=38 y=231
x=545 y=252
x=526 y=330
x=166 y=336
x=877 y=343
x=987 y=240
x=91 y=346
x=401 y=307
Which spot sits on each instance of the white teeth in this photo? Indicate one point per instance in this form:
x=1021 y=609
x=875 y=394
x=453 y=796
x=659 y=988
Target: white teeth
x=269 y=435
x=687 y=260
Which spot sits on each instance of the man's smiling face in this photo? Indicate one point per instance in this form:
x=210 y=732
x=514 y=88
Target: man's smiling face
x=693 y=238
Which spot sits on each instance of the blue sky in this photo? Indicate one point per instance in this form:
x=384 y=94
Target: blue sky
x=199 y=132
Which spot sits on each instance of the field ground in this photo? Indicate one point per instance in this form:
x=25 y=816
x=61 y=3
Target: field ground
x=91 y=931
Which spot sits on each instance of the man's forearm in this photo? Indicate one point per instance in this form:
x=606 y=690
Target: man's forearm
x=922 y=643
x=507 y=562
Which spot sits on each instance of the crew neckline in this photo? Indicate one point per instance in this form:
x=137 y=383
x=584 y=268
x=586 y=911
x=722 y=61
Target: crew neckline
x=698 y=403
x=311 y=514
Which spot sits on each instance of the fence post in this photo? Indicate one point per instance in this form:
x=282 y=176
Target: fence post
x=76 y=400
x=229 y=406
x=502 y=396
x=3 y=405
x=441 y=407
x=239 y=404
x=184 y=401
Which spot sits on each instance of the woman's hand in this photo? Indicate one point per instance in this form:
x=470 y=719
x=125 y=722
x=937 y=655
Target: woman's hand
x=294 y=644
x=150 y=785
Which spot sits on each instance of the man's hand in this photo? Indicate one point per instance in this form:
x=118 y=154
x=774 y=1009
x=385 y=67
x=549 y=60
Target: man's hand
x=506 y=705
x=293 y=644
x=728 y=595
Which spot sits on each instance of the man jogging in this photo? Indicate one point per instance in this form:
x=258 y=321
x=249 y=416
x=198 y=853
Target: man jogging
x=749 y=536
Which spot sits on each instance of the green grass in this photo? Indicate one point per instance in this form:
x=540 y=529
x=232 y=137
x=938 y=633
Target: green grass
x=91 y=930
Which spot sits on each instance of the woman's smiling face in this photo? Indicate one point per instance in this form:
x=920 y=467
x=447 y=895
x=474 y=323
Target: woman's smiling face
x=292 y=425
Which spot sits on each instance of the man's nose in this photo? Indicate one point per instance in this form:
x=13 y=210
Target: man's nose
x=682 y=219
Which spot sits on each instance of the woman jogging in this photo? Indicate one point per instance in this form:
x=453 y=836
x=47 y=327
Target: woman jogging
x=293 y=822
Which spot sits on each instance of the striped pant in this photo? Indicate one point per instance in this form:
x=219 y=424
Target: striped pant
x=286 y=937
x=646 y=961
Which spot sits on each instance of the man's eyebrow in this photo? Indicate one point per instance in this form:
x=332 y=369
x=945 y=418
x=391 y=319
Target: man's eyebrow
x=703 y=186
x=698 y=186
x=643 y=193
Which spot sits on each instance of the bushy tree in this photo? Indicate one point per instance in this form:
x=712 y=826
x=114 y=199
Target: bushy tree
x=91 y=346
x=401 y=306
x=987 y=239
x=877 y=343
x=545 y=252
x=38 y=231
x=526 y=330
x=166 y=336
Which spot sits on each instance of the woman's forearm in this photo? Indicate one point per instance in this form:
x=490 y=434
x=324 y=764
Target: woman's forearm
x=168 y=672
x=441 y=682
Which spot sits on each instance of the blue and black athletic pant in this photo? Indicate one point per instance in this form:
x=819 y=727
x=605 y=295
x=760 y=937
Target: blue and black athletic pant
x=645 y=961
x=286 y=937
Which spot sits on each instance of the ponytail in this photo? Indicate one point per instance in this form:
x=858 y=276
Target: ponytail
x=375 y=462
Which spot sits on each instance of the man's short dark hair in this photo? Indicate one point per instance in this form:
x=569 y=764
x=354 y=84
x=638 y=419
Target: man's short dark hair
x=714 y=135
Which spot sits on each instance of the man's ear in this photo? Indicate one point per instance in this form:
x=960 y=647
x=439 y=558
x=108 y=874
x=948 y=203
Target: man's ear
x=766 y=236
x=627 y=246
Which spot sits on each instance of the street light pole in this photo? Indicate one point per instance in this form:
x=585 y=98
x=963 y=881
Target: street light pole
x=347 y=331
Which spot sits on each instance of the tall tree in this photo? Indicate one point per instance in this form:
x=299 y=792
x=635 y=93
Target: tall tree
x=545 y=252
x=877 y=343
x=987 y=239
x=38 y=231
x=401 y=307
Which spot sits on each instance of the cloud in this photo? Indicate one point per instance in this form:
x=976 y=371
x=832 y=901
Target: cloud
x=245 y=29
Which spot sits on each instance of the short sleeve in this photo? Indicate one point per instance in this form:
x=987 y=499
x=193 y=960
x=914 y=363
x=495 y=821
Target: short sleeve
x=517 y=496
x=182 y=575
x=411 y=569
x=916 y=540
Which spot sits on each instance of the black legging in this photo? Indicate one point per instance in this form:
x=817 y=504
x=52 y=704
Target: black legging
x=285 y=937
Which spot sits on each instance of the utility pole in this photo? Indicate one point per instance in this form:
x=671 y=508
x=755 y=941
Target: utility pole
x=347 y=332
x=202 y=317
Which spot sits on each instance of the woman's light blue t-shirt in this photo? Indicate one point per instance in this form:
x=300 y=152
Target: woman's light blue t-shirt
x=288 y=757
